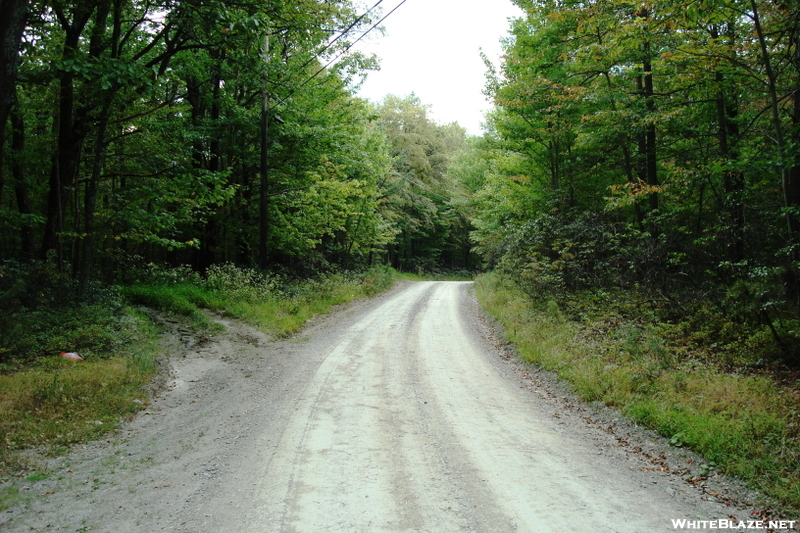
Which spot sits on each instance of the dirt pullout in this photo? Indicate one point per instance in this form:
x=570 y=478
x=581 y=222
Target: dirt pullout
x=398 y=413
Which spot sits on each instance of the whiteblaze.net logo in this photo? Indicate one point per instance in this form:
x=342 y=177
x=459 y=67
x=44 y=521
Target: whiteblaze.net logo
x=683 y=523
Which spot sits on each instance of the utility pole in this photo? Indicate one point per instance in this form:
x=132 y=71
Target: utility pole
x=263 y=222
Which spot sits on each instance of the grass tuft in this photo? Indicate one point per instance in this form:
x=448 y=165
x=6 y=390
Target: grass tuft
x=284 y=310
x=58 y=402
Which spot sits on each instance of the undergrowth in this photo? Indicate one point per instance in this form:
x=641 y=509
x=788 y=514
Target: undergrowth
x=55 y=402
x=439 y=275
x=744 y=423
x=282 y=307
x=275 y=304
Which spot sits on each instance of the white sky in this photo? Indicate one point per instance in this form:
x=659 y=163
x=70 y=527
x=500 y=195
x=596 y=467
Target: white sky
x=432 y=48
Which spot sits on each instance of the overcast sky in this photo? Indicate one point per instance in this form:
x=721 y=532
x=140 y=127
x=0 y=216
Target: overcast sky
x=432 y=48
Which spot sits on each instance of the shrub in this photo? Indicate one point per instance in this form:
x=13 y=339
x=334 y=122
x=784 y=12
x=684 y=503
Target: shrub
x=241 y=284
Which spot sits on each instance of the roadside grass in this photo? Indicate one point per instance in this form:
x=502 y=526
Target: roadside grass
x=9 y=497
x=288 y=306
x=181 y=298
x=55 y=402
x=276 y=305
x=744 y=425
x=49 y=403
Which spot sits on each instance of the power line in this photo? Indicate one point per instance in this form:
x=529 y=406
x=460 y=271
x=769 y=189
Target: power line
x=329 y=63
x=341 y=34
x=412 y=182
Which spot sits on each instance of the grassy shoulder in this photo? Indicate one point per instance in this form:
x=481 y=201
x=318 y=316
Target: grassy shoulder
x=52 y=402
x=49 y=402
x=276 y=305
x=744 y=424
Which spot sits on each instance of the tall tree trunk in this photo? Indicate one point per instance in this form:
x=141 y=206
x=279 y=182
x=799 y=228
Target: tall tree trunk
x=790 y=175
x=206 y=255
x=21 y=189
x=97 y=47
x=263 y=200
x=791 y=182
x=727 y=107
x=90 y=197
x=13 y=14
x=71 y=128
x=650 y=161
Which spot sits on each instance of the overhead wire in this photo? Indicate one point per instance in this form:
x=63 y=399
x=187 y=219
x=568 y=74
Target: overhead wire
x=412 y=182
x=351 y=45
x=341 y=34
x=347 y=49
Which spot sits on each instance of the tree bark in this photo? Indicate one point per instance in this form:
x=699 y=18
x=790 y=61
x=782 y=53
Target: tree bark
x=727 y=107
x=790 y=174
x=90 y=198
x=71 y=129
x=13 y=14
x=21 y=189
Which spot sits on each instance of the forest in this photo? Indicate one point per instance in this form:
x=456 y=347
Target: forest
x=207 y=133
x=638 y=182
x=650 y=148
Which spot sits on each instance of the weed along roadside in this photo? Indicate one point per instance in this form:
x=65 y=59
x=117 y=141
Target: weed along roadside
x=744 y=425
x=49 y=402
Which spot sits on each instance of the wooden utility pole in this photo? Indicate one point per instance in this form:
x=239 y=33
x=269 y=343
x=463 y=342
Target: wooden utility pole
x=263 y=222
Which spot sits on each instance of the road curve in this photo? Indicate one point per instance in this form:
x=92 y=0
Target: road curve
x=407 y=426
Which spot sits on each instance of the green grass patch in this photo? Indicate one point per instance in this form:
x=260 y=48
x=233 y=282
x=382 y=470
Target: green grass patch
x=9 y=497
x=180 y=298
x=58 y=402
x=91 y=330
x=285 y=308
x=744 y=424
x=273 y=303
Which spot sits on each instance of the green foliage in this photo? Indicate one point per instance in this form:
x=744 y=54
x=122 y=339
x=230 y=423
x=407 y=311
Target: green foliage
x=240 y=284
x=155 y=156
x=291 y=304
x=41 y=318
x=182 y=299
x=622 y=153
x=61 y=402
x=424 y=203
x=54 y=402
x=277 y=304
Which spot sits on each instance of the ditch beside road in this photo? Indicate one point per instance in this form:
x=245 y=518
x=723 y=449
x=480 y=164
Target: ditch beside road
x=403 y=412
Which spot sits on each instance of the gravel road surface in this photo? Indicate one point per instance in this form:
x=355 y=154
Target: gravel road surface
x=400 y=413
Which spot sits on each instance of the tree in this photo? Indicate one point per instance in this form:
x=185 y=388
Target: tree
x=638 y=150
x=134 y=135
x=13 y=14
x=419 y=193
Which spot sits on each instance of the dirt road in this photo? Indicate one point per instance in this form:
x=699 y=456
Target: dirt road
x=395 y=414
